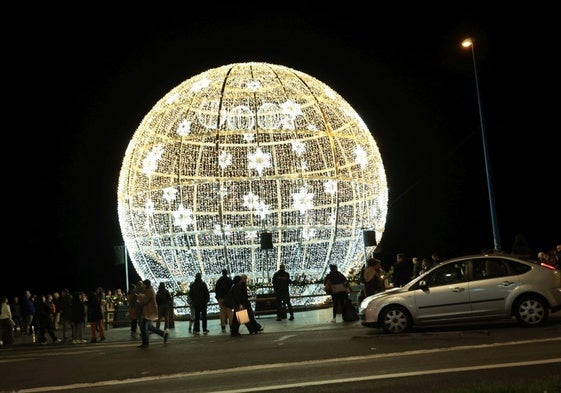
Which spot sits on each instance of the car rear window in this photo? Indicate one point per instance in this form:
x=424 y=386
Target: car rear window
x=518 y=268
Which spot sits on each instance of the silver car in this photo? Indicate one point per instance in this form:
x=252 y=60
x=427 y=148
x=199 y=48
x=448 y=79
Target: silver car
x=468 y=289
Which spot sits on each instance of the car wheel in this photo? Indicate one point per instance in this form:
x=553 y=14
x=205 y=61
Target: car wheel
x=531 y=311
x=395 y=319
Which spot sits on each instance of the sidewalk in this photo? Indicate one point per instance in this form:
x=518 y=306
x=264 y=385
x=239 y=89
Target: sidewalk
x=314 y=319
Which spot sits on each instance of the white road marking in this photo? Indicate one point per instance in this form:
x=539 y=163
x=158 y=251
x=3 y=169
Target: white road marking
x=393 y=375
x=320 y=361
x=285 y=337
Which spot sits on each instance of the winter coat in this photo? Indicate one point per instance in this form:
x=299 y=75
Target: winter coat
x=149 y=305
x=27 y=307
x=163 y=296
x=222 y=286
x=199 y=294
x=281 y=279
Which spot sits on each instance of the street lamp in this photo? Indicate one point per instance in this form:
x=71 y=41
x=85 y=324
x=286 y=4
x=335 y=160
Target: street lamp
x=468 y=43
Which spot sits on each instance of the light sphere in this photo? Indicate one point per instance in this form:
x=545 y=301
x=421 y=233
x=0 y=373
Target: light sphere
x=246 y=149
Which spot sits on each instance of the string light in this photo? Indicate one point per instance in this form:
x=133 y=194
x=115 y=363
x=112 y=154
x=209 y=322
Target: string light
x=243 y=149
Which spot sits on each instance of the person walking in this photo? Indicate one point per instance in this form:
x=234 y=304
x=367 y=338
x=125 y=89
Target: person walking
x=234 y=299
x=238 y=299
x=164 y=301
x=337 y=282
x=200 y=296
x=252 y=326
x=44 y=317
x=221 y=288
x=149 y=314
x=281 y=280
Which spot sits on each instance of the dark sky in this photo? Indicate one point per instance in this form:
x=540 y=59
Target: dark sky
x=80 y=85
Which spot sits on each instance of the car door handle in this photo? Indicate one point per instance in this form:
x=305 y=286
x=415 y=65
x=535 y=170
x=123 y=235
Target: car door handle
x=457 y=289
x=507 y=283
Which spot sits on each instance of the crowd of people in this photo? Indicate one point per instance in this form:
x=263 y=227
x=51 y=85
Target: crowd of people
x=64 y=317
x=551 y=257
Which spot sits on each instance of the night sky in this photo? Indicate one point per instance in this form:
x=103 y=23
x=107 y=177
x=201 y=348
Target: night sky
x=79 y=87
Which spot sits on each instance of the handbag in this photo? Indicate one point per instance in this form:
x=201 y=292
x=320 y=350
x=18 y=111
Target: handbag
x=242 y=316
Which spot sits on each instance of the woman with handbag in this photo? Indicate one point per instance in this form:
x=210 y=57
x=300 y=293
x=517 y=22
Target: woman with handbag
x=252 y=326
x=241 y=305
x=233 y=299
x=338 y=285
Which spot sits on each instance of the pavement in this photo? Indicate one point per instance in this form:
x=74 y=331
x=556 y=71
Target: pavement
x=304 y=319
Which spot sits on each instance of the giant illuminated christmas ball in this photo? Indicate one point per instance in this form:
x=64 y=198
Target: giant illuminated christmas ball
x=247 y=166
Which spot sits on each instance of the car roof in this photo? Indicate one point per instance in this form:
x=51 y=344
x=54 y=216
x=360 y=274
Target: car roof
x=519 y=258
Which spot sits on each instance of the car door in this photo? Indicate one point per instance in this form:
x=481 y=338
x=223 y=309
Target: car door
x=445 y=297
x=491 y=283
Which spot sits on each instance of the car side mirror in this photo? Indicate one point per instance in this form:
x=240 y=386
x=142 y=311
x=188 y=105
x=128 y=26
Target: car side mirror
x=423 y=285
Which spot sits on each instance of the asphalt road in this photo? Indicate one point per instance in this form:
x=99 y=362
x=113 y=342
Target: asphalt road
x=309 y=354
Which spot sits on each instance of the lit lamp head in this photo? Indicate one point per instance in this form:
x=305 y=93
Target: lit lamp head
x=467 y=43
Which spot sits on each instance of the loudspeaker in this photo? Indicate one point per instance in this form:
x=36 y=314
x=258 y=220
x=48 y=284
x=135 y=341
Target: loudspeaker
x=369 y=238
x=266 y=241
x=120 y=255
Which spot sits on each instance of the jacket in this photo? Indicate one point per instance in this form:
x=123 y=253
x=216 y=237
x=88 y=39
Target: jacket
x=222 y=286
x=163 y=296
x=198 y=292
x=27 y=306
x=149 y=305
x=281 y=279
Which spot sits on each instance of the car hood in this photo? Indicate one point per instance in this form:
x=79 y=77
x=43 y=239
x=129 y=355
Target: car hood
x=381 y=295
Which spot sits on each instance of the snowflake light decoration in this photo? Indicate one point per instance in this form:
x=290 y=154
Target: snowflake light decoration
x=243 y=149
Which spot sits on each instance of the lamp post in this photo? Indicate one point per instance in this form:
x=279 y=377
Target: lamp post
x=468 y=43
